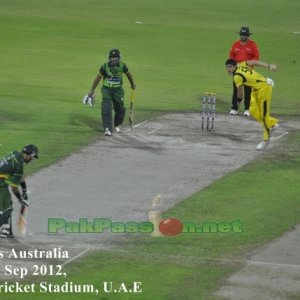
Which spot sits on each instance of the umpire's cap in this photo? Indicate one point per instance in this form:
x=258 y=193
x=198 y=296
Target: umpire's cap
x=245 y=31
x=32 y=150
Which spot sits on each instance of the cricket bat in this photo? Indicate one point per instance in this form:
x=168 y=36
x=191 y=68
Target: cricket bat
x=131 y=110
x=22 y=221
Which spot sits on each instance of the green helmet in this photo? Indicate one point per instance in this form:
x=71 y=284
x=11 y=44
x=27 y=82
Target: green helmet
x=32 y=150
x=114 y=53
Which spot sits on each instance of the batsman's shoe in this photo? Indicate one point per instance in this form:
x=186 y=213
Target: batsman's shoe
x=233 y=112
x=247 y=113
x=118 y=129
x=4 y=233
x=107 y=132
x=262 y=145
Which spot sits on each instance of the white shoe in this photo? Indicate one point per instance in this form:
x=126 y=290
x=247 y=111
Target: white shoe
x=4 y=233
x=262 y=145
x=118 y=129
x=247 y=113
x=233 y=112
x=107 y=132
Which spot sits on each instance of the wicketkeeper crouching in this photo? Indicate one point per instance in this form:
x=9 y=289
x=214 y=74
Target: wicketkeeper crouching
x=11 y=175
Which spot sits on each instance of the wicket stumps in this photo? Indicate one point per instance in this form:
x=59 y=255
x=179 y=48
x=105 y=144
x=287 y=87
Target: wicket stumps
x=155 y=215
x=208 y=111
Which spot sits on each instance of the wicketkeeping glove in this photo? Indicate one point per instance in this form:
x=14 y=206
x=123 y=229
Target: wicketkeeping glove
x=88 y=100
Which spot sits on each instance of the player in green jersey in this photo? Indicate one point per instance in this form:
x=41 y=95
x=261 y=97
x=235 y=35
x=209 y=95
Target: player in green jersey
x=112 y=91
x=11 y=174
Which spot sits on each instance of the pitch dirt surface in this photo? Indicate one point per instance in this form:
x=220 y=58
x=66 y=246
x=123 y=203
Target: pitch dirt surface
x=118 y=176
x=270 y=274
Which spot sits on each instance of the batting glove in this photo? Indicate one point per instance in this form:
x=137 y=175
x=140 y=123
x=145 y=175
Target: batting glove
x=24 y=195
x=87 y=99
x=24 y=202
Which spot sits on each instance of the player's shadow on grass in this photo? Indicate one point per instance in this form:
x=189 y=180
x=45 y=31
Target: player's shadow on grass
x=93 y=123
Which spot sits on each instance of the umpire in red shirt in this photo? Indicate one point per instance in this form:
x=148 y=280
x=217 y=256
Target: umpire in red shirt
x=242 y=50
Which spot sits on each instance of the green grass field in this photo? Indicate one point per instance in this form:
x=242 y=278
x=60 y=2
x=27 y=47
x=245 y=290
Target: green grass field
x=50 y=53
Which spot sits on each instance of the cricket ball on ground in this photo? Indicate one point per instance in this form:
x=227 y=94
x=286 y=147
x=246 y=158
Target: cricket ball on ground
x=170 y=226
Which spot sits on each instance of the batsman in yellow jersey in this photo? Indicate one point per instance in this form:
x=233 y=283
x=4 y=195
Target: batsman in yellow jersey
x=244 y=74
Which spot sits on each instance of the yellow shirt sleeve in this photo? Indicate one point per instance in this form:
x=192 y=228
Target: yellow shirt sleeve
x=238 y=79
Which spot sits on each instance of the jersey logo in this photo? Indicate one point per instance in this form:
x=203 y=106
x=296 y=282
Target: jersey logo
x=246 y=69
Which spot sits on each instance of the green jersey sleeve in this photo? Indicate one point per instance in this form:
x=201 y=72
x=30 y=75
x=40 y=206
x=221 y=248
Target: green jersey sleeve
x=11 y=169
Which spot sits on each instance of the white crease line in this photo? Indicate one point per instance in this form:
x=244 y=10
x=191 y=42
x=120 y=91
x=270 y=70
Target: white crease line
x=135 y=126
x=138 y=125
x=251 y=138
x=278 y=137
x=152 y=131
x=272 y=264
x=255 y=262
x=75 y=257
